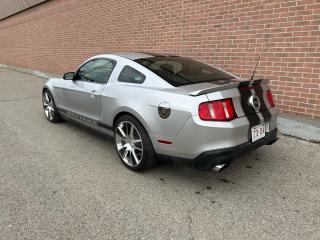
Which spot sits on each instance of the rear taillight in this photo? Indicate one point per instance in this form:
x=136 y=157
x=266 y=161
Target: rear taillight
x=270 y=98
x=220 y=110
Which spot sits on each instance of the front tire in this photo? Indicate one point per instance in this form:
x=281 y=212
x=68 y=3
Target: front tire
x=133 y=144
x=49 y=107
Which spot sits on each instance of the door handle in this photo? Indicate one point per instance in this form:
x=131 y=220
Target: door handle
x=93 y=93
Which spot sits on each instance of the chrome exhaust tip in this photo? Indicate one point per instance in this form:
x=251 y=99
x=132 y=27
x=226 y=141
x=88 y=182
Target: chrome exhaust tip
x=219 y=167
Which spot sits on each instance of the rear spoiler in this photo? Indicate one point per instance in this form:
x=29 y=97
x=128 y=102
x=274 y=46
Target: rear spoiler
x=227 y=86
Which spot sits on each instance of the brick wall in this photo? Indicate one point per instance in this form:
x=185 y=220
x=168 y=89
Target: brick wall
x=57 y=35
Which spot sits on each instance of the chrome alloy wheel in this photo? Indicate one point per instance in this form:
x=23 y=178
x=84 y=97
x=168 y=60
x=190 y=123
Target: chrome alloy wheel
x=48 y=105
x=129 y=143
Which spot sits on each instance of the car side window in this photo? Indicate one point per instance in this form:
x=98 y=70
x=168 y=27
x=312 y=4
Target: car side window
x=97 y=70
x=131 y=75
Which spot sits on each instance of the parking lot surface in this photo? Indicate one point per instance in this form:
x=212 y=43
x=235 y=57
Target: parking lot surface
x=62 y=181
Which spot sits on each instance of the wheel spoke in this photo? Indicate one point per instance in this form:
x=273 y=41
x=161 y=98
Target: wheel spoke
x=137 y=141
x=47 y=97
x=46 y=111
x=120 y=136
x=122 y=132
x=125 y=154
x=138 y=148
x=130 y=159
x=127 y=128
x=50 y=114
x=120 y=147
x=131 y=131
x=135 y=156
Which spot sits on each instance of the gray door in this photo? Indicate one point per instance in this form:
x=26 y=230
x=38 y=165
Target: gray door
x=81 y=97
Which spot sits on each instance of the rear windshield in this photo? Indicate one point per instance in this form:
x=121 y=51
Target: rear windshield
x=180 y=71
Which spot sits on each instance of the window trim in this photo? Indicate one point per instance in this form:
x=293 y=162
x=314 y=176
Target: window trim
x=134 y=70
x=100 y=58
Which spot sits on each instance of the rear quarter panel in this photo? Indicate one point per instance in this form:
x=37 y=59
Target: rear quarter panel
x=143 y=102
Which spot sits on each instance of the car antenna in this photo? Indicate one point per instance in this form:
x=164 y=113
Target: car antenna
x=254 y=71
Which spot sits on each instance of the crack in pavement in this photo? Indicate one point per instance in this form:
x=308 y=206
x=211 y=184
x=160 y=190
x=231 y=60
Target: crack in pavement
x=190 y=219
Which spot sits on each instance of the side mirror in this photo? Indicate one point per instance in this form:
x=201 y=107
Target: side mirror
x=68 y=76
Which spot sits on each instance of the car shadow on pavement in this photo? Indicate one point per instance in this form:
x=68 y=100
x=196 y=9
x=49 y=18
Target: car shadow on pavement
x=242 y=170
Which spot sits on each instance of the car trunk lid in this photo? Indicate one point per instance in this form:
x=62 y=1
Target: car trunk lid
x=249 y=97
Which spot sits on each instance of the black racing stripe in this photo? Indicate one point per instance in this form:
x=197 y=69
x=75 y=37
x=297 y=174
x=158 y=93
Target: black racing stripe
x=61 y=110
x=263 y=108
x=100 y=124
x=249 y=111
x=85 y=119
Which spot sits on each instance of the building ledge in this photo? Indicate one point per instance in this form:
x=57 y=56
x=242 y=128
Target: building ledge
x=30 y=71
x=300 y=127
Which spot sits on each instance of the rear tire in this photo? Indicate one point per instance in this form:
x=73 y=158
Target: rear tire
x=49 y=107
x=133 y=144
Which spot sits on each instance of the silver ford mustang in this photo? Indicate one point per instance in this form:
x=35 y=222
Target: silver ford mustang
x=162 y=105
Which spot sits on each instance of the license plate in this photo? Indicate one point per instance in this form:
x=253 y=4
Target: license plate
x=258 y=132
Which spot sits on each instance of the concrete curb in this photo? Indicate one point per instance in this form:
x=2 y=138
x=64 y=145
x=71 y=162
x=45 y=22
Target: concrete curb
x=299 y=127
x=291 y=125
x=30 y=71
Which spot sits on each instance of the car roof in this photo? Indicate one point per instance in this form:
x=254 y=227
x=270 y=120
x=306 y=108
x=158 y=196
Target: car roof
x=139 y=55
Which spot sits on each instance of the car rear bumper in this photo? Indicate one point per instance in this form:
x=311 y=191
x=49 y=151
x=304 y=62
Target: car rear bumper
x=197 y=136
x=209 y=159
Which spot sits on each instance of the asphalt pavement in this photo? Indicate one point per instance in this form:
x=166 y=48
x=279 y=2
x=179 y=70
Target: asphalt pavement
x=62 y=181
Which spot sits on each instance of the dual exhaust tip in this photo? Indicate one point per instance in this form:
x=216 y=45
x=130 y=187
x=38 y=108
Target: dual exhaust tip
x=219 y=167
